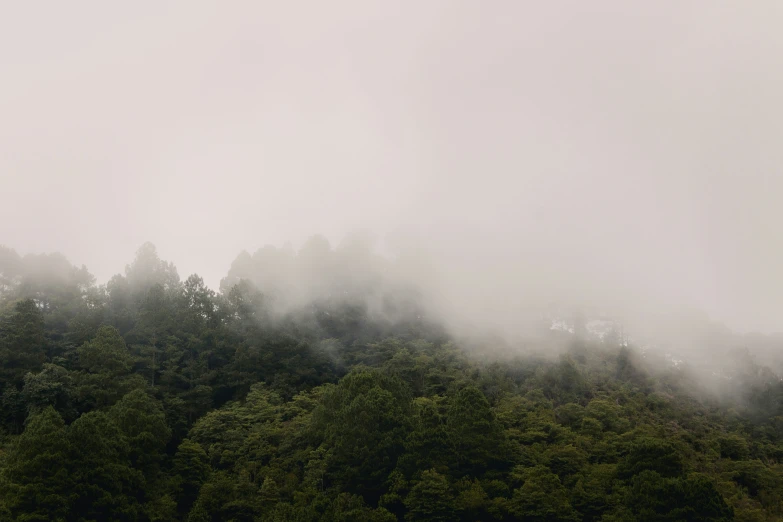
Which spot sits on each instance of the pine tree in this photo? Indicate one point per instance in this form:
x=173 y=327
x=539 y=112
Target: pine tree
x=431 y=499
x=39 y=482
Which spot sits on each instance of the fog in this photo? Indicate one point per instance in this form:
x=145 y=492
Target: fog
x=617 y=156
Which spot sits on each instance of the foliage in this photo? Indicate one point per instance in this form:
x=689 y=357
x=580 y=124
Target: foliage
x=150 y=398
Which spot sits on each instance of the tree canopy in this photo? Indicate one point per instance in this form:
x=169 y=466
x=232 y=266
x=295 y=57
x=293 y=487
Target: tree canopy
x=150 y=398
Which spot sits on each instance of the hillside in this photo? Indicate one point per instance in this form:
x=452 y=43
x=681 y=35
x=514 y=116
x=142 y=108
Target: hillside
x=155 y=399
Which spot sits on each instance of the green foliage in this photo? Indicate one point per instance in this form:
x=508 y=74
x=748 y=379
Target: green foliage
x=190 y=469
x=106 y=353
x=364 y=420
x=22 y=342
x=37 y=472
x=52 y=386
x=351 y=508
x=654 y=497
x=431 y=499
x=542 y=497
x=648 y=454
x=475 y=435
x=105 y=486
x=141 y=420
x=428 y=444
x=227 y=497
x=733 y=446
x=565 y=461
x=152 y=399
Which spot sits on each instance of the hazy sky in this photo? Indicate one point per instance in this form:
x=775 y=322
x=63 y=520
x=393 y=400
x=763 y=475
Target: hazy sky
x=536 y=147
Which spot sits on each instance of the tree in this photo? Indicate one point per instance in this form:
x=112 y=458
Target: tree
x=657 y=498
x=629 y=367
x=428 y=444
x=39 y=483
x=702 y=501
x=106 y=364
x=566 y=461
x=652 y=455
x=593 y=493
x=142 y=421
x=269 y=494
x=431 y=499
x=105 y=486
x=227 y=497
x=105 y=354
x=733 y=446
x=191 y=470
x=542 y=497
x=22 y=342
x=364 y=419
x=197 y=308
x=474 y=432
x=472 y=501
x=52 y=386
x=10 y=272
x=147 y=270
x=564 y=382
x=352 y=508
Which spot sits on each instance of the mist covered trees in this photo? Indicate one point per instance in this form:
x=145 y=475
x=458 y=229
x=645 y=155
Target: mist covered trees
x=153 y=398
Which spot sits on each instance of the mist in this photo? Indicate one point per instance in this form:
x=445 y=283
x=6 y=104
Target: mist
x=508 y=159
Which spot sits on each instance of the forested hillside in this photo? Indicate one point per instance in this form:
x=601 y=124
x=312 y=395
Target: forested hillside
x=155 y=399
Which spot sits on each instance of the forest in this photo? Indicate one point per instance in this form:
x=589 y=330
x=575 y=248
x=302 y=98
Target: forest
x=150 y=398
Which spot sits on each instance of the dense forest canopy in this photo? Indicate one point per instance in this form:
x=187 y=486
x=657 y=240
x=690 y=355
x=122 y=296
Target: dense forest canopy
x=318 y=385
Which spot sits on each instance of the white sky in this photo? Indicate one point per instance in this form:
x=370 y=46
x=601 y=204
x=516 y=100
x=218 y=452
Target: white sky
x=599 y=147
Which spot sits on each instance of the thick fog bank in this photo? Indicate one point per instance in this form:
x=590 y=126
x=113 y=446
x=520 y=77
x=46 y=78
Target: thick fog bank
x=483 y=296
x=608 y=155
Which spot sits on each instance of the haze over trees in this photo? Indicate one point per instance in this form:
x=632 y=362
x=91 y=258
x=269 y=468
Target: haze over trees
x=569 y=313
x=317 y=385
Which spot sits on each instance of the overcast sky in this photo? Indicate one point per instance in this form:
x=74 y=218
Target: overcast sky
x=597 y=147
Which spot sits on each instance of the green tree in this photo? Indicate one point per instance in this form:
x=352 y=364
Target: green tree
x=475 y=434
x=147 y=270
x=702 y=501
x=472 y=501
x=39 y=482
x=143 y=423
x=364 y=420
x=566 y=461
x=542 y=498
x=593 y=493
x=227 y=497
x=657 y=498
x=431 y=499
x=22 y=342
x=105 y=354
x=106 y=365
x=269 y=494
x=428 y=444
x=352 y=508
x=52 y=386
x=733 y=446
x=191 y=470
x=105 y=486
x=652 y=455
